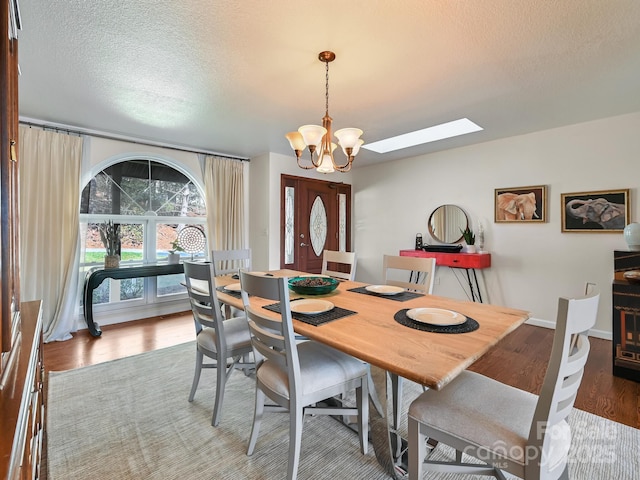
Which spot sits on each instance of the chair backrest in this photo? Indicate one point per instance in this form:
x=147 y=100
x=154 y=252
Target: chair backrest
x=272 y=337
x=228 y=262
x=331 y=257
x=564 y=374
x=202 y=296
x=418 y=272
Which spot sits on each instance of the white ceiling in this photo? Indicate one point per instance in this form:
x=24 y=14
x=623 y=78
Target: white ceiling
x=233 y=76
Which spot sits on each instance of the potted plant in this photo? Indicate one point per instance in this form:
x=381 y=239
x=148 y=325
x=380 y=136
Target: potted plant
x=174 y=256
x=470 y=240
x=110 y=236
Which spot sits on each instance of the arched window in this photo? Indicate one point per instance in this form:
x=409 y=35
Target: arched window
x=151 y=201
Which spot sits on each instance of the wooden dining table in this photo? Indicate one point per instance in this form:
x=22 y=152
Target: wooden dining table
x=373 y=335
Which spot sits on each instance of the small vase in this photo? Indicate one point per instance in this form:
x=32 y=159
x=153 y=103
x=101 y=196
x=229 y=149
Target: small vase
x=112 y=261
x=632 y=236
x=469 y=249
x=173 y=258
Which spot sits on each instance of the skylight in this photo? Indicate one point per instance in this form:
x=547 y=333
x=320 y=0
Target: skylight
x=426 y=135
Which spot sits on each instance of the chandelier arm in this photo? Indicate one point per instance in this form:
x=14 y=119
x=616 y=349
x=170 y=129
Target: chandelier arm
x=346 y=167
x=305 y=167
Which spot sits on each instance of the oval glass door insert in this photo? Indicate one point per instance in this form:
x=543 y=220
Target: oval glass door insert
x=318 y=226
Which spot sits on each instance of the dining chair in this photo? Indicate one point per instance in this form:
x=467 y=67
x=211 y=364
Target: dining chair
x=228 y=262
x=297 y=376
x=504 y=427
x=415 y=274
x=419 y=272
x=227 y=342
x=332 y=260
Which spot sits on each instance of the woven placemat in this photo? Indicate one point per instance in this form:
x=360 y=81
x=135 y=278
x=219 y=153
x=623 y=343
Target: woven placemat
x=318 y=319
x=229 y=292
x=469 y=326
x=400 y=297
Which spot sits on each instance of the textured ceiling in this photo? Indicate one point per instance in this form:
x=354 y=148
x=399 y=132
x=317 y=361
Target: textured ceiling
x=234 y=76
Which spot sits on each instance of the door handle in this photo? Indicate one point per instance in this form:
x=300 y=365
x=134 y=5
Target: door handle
x=302 y=244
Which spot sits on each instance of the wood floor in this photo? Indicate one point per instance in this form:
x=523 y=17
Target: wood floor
x=519 y=360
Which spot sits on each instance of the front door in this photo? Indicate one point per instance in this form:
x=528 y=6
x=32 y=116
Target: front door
x=315 y=215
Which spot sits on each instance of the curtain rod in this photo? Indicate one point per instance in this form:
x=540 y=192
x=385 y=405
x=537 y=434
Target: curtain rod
x=30 y=122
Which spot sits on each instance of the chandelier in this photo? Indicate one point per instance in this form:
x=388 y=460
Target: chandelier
x=318 y=138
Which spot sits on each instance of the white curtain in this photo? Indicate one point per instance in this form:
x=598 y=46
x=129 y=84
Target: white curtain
x=49 y=225
x=224 y=194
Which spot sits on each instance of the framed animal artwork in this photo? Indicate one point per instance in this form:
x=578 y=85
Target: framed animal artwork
x=603 y=211
x=521 y=204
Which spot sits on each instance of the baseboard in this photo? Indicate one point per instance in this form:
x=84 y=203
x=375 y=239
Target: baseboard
x=538 y=322
x=134 y=313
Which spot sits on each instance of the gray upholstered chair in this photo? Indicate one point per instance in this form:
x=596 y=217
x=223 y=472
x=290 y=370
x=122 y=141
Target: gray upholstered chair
x=228 y=342
x=297 y=376
x=415 y=274
x=331 y=258
x=504 y=427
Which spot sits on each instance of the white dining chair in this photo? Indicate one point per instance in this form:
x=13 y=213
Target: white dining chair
x=228 y=262
x=415 y=274
x=332 y=261
x=505 y=428
x=297 y=375
x=227 y=342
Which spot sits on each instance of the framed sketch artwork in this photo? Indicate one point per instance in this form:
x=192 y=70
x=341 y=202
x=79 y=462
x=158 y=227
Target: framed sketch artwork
x=521 y=204
x=601 y=211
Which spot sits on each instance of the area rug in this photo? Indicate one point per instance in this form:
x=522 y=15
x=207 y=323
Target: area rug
x=130 y=419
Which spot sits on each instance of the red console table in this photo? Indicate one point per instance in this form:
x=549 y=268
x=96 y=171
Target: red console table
x=468 y=261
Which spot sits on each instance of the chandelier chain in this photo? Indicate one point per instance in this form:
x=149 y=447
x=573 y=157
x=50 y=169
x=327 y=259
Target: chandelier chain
x=326 y=89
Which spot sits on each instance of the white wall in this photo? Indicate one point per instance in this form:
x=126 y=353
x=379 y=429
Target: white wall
x=532 y=264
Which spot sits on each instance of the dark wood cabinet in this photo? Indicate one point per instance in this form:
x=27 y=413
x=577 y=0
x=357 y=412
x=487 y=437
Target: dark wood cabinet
x=22 y=380
x=9 y=195
x=22 y=402
x=626 y=317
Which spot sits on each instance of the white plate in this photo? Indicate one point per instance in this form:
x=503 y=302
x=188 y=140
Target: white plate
x=384 y=289
x=314 y=275
x=310 y=306
x=258 y=273
x=436 y=316
x=233 y=287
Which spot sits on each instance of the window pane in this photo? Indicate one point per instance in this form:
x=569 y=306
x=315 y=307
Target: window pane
x=142 y=187
x=170 y=285
x=131 y=288
x=289 y=234
x=131 y=246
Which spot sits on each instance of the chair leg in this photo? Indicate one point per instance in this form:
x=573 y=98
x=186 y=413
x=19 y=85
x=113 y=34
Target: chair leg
x=373 y=394
x=220 y=384
x=257 y=420
x=417 y=449
x=196 y=375
x=362 y=400
x=296 y=418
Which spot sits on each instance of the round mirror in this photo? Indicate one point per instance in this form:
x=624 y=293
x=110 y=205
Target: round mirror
x=447 y=222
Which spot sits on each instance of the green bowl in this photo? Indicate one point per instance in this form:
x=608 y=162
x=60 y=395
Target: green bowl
x=328 y=285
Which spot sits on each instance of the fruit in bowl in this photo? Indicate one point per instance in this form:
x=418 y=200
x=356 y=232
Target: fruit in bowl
x=313 y=285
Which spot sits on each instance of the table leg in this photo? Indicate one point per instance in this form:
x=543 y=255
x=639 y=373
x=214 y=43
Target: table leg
x=93 y=327
x=390 y=448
